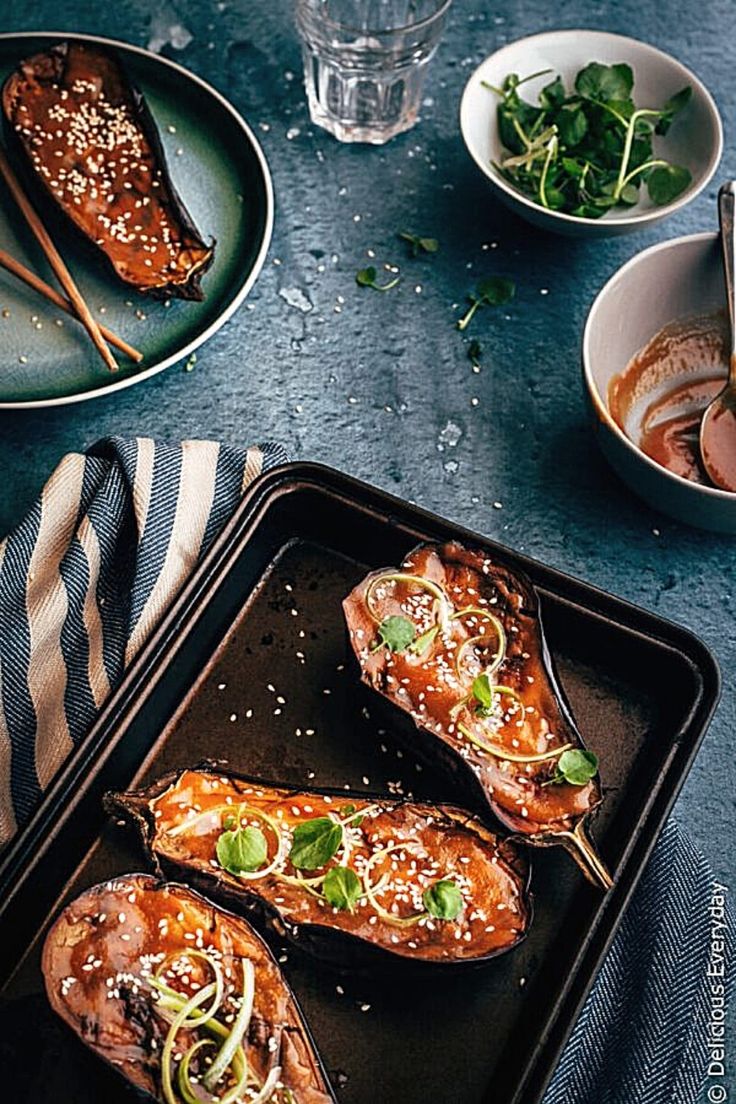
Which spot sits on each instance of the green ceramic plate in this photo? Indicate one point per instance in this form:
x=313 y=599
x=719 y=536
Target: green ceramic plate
x=221 y=173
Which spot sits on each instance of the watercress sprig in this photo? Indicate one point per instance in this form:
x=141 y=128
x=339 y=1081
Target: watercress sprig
x=576 y=766
x=588 y=150
x=418 y=244
x=366 y=277
x=492 y=292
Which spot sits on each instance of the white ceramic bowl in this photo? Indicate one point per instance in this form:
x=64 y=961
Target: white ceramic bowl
x=694 y=141
x=674 y=279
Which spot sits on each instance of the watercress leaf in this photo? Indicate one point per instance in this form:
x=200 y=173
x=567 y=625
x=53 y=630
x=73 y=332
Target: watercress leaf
x=429 y=245
x=396 y=632
x=577 y=766
x=341 y=888
x=314 y=843
x=443 y=900
x=641 y=151
x=552 y=95
x=555 y=198
x=366 y=277
x=573 y=167
x=666 y=182
x=242 y=850
x=483 y=693
x=605 y=82
x=496 y=290
x=626 y=108
x=672 y=107
x=572 y=125
x=229 y=821
x=629 y=194
x=510 y=140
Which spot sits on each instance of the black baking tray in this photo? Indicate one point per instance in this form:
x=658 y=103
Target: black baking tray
x=263 y=611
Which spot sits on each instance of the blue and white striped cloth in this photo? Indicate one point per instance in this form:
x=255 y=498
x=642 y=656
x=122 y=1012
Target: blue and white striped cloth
x=85 y=578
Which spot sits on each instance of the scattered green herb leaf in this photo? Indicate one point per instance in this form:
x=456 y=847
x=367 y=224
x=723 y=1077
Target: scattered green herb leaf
x=418 y=244
x=493 y=292
x=395 y=633
x=243 y=850
x=589 y=150
x=314 y=843
x=355 y=820
x=366 y=277
x=475 y=351
x=229 y=821
x=483 y=694
x=576 y=766
x=342 y=888
x=443 y=900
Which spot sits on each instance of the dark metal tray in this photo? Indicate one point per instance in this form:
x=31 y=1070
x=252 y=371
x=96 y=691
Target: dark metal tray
x=261 y=622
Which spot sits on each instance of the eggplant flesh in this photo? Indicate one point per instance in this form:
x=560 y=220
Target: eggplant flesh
x=102 y=952
x=91 y=146
x=473 y=615
x=396 y=849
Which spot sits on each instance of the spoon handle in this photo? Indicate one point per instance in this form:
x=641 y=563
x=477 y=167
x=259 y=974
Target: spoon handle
x=727 y=219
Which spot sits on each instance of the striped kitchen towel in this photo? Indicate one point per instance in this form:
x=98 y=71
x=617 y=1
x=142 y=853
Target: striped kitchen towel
x=83 y=581
x=85 y=578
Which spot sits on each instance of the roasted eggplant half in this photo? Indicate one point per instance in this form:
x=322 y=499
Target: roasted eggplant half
x=182 y=999
x=357 y=881
x=91 y=146
x=455 y=640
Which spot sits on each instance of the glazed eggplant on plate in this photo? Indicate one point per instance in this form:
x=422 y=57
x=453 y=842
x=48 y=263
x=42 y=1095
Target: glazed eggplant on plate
x=182 y=999
x=352 y=879
x=91 y=146
x=454 y=639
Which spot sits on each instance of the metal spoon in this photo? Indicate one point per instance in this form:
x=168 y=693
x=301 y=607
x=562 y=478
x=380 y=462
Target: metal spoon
x=718 y=427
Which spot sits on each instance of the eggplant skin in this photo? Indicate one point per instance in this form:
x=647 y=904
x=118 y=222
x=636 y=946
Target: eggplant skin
x=493 y=872
x=94 y=966
x=90 y=146
x=427 y=688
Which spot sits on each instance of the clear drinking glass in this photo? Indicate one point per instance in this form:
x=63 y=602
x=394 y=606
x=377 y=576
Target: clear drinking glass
x=365 y=61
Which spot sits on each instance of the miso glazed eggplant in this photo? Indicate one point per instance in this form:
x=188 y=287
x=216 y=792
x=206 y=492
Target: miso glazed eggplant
x=455 y=640
x=92 y=148
x=352 y=879
x=182 y=999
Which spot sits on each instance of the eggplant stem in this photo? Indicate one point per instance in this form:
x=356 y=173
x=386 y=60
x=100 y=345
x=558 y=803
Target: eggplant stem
x=586 y=856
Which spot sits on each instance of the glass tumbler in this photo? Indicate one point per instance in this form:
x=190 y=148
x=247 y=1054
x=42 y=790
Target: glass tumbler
x=365 y=61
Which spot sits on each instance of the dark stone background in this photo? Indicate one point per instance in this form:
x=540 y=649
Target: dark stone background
x=371 y=388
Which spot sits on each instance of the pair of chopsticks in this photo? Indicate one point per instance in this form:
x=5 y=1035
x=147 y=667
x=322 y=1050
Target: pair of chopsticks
x=74 y=303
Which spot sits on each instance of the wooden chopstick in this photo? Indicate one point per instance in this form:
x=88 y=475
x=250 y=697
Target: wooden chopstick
x=55 y=260
x=30 y=278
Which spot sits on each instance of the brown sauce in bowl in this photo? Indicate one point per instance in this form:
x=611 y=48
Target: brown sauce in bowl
x=659 y=398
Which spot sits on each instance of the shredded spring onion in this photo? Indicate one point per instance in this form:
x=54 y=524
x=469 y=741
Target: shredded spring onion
x=371 y=890
x=239 y=1028
x=181 y=1017
x=504 y=753
x=443 y=602
x=500 y=652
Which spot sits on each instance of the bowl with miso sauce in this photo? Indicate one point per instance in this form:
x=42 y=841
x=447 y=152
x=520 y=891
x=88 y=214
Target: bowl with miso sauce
x=654 y=355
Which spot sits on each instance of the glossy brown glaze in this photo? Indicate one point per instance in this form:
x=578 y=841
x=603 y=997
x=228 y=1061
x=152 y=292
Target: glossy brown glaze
x=92 y=146
x=183 y=817
x=101 y=952
x=436 y=691
x=660 y=397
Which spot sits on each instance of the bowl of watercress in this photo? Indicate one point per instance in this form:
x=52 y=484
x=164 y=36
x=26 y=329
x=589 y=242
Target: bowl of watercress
x=589 y=133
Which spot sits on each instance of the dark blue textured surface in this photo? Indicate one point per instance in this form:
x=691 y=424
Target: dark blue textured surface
x=371 y=383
